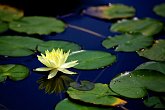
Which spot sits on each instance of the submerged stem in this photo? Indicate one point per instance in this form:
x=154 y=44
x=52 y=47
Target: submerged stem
x=86 y=30
x=99 y=75
x=122 y=107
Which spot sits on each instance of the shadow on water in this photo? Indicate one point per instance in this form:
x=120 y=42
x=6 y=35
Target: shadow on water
x=2 y=107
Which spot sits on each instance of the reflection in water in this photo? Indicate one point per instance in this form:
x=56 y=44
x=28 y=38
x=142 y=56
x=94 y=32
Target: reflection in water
x=56 y=84
x=2 y=107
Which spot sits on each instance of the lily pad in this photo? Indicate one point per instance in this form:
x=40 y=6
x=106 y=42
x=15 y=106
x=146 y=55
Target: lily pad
x=84 y=86
x=156 y=52
x=159 y=9
x=89 y=59
x=38 y=25
x=13 y=71
x=127 y=86
x=8 y=13
x=100 y=95
x=3 y=26
x=66 y=46
x=69 y=105
x=128 y=42
x=136 y=84
x=18 y=45
x=145 y=26
x=114 y=11
x=154 y=102
x=158 y=66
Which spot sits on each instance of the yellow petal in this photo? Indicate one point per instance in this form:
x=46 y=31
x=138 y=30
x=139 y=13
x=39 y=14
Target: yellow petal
x=69 y=64
x=43 y=69
x=66 y=71
x=52 y=73
x=66 y=56
x=44 y=61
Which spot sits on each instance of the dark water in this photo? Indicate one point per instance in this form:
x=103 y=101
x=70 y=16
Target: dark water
x=44 y=7
x=24 y=95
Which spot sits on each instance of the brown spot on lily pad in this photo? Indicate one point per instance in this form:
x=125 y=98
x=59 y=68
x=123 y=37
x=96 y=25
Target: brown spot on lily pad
x=114 y=11
x=8 y=13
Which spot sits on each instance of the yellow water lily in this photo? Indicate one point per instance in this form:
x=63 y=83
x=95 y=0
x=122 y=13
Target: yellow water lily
x=56 y=61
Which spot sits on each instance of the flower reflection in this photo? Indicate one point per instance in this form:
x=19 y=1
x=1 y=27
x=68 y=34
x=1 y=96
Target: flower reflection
x=56 y=84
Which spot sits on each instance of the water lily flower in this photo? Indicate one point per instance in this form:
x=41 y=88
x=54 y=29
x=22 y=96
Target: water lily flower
x=56 y=61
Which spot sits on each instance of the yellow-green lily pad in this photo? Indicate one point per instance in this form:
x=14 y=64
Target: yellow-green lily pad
x=8 y=13
x=113 y=11
x=100 y=95
x=13 y=71
x=156 y=52
x=159 y=9
x=90 y=59
x=128 y=42
x=145 y=26
x=38 y=25
x=3 y=26
x=18 y=45
x=69 y=105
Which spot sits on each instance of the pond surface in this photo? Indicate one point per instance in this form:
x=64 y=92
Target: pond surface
x=25 y=95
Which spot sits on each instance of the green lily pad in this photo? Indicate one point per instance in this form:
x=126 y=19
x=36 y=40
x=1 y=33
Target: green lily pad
x=156 y=52
x=3 y=26
x=127 y=86
x=145 y=26
x=128 y=42
x=159 y=9
x=69 y=105
x=158 y=66
x=66 y=46
x=114 y=11
x=154 y=102
x=8 y=13
x=18 y=45
x=38 y=25
x=13 y=72
x=100 y=95
x=84 y=86
x=89 y=59
x=136 y=84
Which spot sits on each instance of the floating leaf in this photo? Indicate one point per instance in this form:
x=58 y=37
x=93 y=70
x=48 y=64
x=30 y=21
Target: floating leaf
x=56 y=84
x=38 y=25
x=84 y=86
x=9 y=14
x=156 y=52
x=69 y=105
x=135 y=84
x=127 y=86
x=3 y=26
x=13 y=72
x=114 y=11
x=145 y=26
x=18 y=45
x=128 y=42
x=91 y=59
x=66 y=46
x=100 y=95
x=158 y=66
x=159 y=9
x=154 y=102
